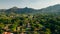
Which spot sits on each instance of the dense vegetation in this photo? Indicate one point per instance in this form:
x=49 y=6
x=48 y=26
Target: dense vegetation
x=30 y=24
x=30 y=21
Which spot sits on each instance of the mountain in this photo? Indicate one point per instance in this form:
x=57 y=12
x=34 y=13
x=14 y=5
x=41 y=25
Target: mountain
x=20 y=10
x=26 y=10
x=55 y=8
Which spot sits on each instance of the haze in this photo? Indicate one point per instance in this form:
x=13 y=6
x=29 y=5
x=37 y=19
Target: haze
x=36 y=4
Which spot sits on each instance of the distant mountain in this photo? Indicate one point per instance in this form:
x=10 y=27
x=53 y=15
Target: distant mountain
x=26 y=10
x=55 y=8
x=21 y=10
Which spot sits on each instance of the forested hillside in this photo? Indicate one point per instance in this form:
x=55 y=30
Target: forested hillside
x=30 y=24
x=30 y=21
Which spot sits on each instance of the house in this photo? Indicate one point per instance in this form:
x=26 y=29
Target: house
x=7 y=33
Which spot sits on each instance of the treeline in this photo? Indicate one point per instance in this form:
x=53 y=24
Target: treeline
x=30 y=24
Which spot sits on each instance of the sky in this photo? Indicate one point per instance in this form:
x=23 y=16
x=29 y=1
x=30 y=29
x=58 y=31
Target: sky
x=36 y=4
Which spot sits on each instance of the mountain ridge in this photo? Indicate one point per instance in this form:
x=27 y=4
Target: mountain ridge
x=50 y=9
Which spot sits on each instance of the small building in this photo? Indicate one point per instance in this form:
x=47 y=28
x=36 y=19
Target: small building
x=7 y=32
